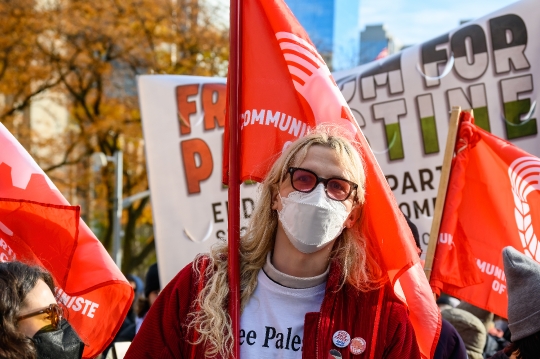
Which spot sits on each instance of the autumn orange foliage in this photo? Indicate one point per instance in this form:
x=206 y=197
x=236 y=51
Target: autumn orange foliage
x=83 y=57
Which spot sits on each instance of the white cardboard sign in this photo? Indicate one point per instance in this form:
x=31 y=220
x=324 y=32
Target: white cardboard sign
x=189 y=202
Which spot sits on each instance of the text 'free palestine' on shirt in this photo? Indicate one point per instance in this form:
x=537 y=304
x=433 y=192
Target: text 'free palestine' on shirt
x=272 y=323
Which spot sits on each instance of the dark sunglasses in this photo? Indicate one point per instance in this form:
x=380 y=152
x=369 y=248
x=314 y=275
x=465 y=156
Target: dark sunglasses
x=54 y=314
x=336 y=188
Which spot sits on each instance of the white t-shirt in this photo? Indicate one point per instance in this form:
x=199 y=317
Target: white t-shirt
x=272 y=324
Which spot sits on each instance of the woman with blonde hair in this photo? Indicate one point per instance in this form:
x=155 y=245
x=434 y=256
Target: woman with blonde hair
x=311 y=283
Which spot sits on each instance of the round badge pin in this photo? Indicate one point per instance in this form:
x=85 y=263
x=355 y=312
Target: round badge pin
x=341 y=339
x=358 y=346
x=334 y=354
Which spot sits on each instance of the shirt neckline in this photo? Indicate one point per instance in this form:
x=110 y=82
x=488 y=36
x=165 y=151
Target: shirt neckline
x=290 y=281
x=277 y=288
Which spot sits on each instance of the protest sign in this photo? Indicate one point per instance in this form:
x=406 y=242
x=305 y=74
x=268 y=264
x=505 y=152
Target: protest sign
x=183 y=120
x=402 y=102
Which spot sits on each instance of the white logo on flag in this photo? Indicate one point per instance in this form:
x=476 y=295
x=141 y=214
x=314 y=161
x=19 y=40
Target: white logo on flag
x=312 y=79
x=446 y=238
x=525 y=178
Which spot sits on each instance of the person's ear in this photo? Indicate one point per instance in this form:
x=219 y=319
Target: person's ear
x=353 y=216
x=275 y=198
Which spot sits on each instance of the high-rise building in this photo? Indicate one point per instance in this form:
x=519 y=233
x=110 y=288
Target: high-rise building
x=375 y=41
x=333 y=26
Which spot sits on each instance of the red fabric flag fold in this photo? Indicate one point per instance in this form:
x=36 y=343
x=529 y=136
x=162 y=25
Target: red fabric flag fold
x=33 y=230
x=287 y=88
x=90 y=285
x=492 y=199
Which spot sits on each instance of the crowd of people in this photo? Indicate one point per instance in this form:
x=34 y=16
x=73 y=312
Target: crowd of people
x=312 y=286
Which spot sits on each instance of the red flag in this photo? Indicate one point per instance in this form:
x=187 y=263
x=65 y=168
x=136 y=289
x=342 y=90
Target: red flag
x=493 y=201
x=26 y=230
x=93 y=289
x=287 y=89
x=384 y=53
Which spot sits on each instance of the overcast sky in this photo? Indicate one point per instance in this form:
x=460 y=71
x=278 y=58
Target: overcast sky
x=414 y=21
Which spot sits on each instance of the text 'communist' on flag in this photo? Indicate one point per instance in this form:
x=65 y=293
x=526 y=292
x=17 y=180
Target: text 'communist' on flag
x=287 y=89
x=38 y=226
x=493 y=201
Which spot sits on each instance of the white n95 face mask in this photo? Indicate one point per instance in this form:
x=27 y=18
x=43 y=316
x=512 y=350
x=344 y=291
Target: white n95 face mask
x=311 y=220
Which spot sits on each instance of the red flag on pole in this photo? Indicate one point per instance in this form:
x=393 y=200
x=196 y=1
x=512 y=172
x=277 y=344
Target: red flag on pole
x=287 y=89
x=493 y=201
x=90 y=285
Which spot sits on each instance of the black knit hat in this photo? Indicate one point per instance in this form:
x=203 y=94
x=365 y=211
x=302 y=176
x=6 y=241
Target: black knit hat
x=152 y=280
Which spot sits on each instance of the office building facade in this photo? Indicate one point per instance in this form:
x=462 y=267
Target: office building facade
x=333 y=26
x=376 y=41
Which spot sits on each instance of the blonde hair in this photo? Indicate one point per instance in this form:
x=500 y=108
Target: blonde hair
x=212 y=321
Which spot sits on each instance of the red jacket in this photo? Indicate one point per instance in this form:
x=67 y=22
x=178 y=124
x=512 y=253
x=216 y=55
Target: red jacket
x=377 y=316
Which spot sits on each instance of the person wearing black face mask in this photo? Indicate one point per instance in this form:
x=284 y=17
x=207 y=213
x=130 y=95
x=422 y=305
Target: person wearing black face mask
x=31 y=322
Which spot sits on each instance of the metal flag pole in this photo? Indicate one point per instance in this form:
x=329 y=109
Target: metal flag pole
x=117 y=219
x=234 y=174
